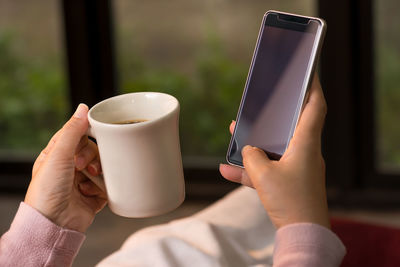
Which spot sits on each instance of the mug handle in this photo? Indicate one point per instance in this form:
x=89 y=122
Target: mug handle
x=97 y=180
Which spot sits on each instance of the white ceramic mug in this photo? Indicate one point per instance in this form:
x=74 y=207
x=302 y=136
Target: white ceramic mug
x=141 y=162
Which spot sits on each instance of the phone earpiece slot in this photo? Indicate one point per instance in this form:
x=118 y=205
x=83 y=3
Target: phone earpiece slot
x=299 y=20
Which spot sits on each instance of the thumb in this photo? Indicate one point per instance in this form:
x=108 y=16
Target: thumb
x=255 y=162
x=72 y=132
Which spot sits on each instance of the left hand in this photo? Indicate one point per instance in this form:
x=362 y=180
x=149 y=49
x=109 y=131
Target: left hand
x=58 y=189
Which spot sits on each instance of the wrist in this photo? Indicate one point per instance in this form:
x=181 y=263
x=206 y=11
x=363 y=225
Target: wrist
x=320 y=218
x=59 y=218
x=319 y=221
x=76 y=223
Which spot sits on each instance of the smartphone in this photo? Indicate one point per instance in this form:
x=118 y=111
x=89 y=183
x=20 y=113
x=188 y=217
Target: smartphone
x=280 y=74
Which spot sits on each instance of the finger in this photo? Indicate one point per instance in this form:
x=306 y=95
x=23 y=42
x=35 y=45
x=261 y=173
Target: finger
x=89 y=189
x=82 y=143
x=313 y=116
x=86 y=155
x=255 y=162
x=72 y=132
x=94 y=167
x=95 y=198
x=232 y=127
x=235 y=174
x=40 y=159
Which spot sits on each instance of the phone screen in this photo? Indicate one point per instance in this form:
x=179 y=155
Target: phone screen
x=275 y=86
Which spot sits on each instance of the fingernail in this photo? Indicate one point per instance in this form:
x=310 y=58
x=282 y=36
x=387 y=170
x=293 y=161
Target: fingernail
x=92 y=169
x=79 y=162
x=247 y=147
x=256 y=148
x=80 y=111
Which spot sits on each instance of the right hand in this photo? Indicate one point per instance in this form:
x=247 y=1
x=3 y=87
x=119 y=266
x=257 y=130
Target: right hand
x=292 y=189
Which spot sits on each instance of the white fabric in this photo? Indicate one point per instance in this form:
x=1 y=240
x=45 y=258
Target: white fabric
x=235 y=231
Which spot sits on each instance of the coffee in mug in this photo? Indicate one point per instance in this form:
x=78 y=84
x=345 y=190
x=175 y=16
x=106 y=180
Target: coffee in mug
x=129 y=121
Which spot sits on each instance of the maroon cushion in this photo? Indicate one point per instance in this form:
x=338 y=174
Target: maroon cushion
x=368 y=244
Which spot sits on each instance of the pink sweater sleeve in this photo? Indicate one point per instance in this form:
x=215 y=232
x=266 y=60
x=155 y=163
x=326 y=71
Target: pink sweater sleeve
x=33 y=240
x=307 y=244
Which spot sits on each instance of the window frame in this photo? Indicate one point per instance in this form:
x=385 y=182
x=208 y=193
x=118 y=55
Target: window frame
x=347 y=78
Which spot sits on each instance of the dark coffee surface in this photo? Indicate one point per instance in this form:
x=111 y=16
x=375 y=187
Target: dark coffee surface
x=130 y=121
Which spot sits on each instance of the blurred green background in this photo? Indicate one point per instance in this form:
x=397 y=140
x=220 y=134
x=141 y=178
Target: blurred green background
x=387 y=82
x=198 y=51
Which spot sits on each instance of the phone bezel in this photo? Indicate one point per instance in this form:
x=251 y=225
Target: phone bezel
x=320 y=34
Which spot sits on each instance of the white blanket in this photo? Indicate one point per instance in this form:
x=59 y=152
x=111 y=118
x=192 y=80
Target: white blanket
x=235 y=231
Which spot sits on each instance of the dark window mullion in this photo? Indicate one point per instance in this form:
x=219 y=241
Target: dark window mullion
x=337 y=65
x=90 y=53
x=365 y=74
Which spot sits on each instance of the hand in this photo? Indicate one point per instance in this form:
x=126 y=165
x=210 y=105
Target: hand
x=58 y=189
x=292 y=189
